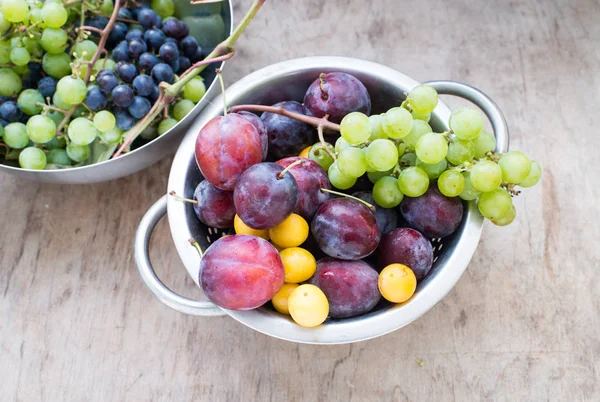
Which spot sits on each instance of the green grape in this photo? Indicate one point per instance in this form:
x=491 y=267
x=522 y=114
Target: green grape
x=58 y=157
x=15 y=41
x=33 y=46
x=10 y=82
x=423 y=99
x=112 y=136
x=486 y=176
x=1 y=130
x=40 y=129
x=104 y=121
x=408 y=159
x=352 y=162
x=533 y=177
x=35 y=15
x=56 y=143
x=85 y=49
x=413 y=181
x=494 y=205
x=20 y=56
x=194 y=90
x=433 y=170
x=5 y=49
x=338 y=179
x=466 y=123
x=82 y=131
x=515 y=166
x=341 y=144
x=460 y=151
x=419 y=129
x=59 y=103
x=431 y=148
x=103 y=64
x=401 y=149
x=182 y=108
x=451 y=183
x=484 y=143
x=165 y=125
x=106 y=7
x=423 y=117
x=469 y=193
x=355 y=128
x=71 y=90
x=4 y=23
x=397 y=122
x=506 y=219
x=15 y=10
x=164 y=8
x=382 y=155
x=56 y=65
x=54 y=15
x=377 y=132
x=370 y=169
x=29 y=101
x=319 y=155
x=78 y=153
x=386 y=192
x=19 y=70
x=15 y=135
x=374 y=176
x=149 y=133
x=32 y=158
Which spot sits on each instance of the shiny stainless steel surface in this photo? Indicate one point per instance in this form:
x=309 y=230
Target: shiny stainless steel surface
x=289 y=80
x=149 y=153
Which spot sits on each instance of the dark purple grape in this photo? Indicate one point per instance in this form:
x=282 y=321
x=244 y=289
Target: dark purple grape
x=263 y=198
x=262 y=130
x=172 y=40
x=345 y=229
x=155 y=38
x=139 y=7
x=96 y=99
x=47 y=87
x=184 y=64
x=107 y=81
x=124 y=120
x=158 y=21
x=175 y=28
x=154 y=95
x=174 y=64
x=162 y=72
x=189 y=46
x=310 y=178
x=122 y=96
x=147 y=61
x=140 y=107
x=32 y=76
x=3 y=122
x=134 y=34
x=136 y=48
x=337 y=94
x=126 y=71
x=121 y=52
x=168 y=52
x=124 y=13
x=143 y=85
x=198 y=56
x=96 y=22
x=387 y=218
x=350 y=286
x=117 y=33
x=11 y=112
x=409 y=247
x=432 y=214
x=287 y=137
x=215 y=207
x=147 y=18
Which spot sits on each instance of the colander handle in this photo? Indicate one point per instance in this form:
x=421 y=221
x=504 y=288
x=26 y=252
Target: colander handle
x=142 y=259
x=484 y=102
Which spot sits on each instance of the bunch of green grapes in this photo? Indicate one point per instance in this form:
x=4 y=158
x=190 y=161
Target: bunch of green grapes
x=402 y=156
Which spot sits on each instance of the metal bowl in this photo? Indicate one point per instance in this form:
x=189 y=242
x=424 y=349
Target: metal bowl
x=285 y=81
x=209 y=19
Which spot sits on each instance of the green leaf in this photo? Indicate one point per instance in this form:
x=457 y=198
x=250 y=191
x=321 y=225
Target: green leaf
x=100 y=151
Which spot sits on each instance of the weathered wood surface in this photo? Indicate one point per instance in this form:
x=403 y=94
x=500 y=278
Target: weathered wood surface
x=522 y=323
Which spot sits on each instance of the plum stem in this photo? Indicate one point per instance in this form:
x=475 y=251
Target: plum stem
x=323 y=143
x=370 y=206
x=194 y=243
x=180 y=198
x=284 y=171
x=314 y=121
x=323 y=93
x=222 y=91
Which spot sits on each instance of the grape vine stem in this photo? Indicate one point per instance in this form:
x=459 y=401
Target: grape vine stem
x=370 y=206
x=323 y=143
x=314 y=121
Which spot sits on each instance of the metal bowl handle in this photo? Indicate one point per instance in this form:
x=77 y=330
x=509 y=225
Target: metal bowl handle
x=484 y=102
x=142 y=259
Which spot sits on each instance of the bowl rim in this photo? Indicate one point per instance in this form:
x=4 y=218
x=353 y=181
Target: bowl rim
x=156 y=140
x=348 y=330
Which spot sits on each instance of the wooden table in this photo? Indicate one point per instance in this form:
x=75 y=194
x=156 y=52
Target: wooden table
x=522 y=323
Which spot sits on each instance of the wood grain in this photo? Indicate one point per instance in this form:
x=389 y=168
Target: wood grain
x=522 y=324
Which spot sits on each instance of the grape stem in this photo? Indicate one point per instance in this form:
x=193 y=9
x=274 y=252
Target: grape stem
x=326 y=190
x=222 y=91
x=194 y=243
x=50 y=107
x=284 y=171
x=89 y=28
x=180 y=198
x=314 y=121
x=323 y=143
x=207 y=61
